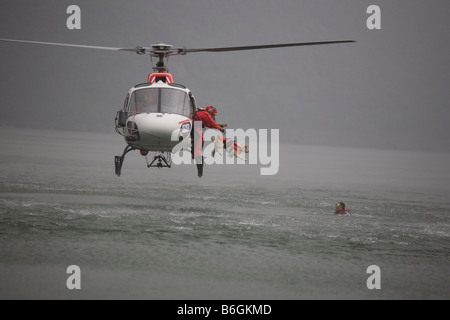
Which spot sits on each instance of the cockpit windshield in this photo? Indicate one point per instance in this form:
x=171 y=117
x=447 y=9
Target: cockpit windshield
x=161 y=100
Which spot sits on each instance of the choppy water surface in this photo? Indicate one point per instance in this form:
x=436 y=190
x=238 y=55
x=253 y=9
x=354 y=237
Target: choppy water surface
x=234 y=234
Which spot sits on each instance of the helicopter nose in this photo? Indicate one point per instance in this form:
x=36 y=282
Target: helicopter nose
x=161 y=125
x=156 y=130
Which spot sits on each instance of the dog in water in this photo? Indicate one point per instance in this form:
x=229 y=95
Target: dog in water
x=231 y=147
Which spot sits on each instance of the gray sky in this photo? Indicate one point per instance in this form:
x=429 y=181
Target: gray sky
x=388 y=90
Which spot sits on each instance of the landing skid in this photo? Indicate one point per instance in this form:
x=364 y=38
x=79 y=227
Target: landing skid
x=118 y=160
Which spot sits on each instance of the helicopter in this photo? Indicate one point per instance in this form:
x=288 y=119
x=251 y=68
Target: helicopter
x=158 y=115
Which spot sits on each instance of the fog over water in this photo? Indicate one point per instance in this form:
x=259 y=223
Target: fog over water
x=233 y=234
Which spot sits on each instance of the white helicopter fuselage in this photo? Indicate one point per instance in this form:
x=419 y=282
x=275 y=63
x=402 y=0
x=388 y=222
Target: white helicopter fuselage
x=157 y=116
x=157 y=131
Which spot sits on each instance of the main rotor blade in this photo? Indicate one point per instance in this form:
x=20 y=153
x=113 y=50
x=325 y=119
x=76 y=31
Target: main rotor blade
x=70 y=45
x=267 y=46
x=167 y=51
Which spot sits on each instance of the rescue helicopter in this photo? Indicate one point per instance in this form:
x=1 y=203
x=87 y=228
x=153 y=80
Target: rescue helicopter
x=157 y=115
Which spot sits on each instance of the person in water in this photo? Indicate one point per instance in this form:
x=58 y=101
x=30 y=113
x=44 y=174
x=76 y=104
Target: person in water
x=340 y=208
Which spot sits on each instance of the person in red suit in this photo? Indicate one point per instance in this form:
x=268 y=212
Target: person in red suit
x=206 y=117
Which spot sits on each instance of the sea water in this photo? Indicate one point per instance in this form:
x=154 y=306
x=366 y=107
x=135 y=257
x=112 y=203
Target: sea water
x=233 y=234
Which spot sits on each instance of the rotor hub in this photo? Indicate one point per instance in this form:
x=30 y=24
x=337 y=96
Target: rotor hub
x=161 y=47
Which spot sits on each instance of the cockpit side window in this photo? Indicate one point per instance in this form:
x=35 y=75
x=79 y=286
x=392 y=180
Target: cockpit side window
x=125 y=104
x=192 y=103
